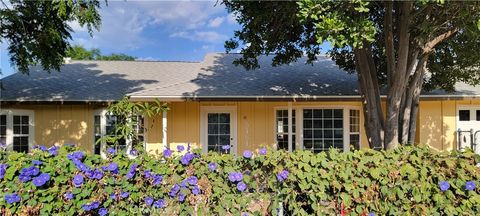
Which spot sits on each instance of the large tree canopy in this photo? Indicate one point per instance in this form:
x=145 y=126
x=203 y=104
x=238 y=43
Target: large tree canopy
x=38 y=32
x=78 y=52
x=397 y=46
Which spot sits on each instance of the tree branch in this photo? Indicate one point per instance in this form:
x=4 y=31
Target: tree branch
x=440 y=38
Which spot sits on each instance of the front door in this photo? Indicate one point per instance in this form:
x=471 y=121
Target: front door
x=218 y=129
x=468 y=127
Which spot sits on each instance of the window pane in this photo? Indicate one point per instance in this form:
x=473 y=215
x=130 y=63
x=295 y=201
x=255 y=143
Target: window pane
x=24 y=119
x=16 y=119
x=355 y=140
x=3 y=130
x=20 y=144
x=224 y=118
x=478 y=115
x=464 y=115
x=224 y=129
x=212 y=128
x=3 y=119
x=212 y=118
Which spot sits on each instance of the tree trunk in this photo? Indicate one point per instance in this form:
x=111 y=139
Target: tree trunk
x=411 y=100
x=371 y=99
x=399 y=77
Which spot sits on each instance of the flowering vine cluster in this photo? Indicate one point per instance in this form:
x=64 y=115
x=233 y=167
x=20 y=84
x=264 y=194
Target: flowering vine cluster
x=181 y=181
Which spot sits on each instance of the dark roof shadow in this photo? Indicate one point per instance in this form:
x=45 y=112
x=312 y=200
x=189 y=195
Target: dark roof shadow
x=78 y=81
x=219 y=77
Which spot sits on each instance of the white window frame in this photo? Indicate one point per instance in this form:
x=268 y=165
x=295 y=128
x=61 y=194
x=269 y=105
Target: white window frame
x=294 y=142
x=103 y=130
x=299 y=123
x=31 y=126
x=204 y=110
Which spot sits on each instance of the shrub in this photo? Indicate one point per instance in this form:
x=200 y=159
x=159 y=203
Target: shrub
x=405 y=181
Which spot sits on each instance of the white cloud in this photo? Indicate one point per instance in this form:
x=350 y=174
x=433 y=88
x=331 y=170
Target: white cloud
x=205 y=36
x=125 y=23
x=215 y=22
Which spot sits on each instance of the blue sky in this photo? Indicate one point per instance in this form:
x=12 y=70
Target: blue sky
x=155 y=30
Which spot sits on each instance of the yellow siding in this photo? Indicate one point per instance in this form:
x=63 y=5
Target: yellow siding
x=61 y=124
x=255 y=123
x=437 y=123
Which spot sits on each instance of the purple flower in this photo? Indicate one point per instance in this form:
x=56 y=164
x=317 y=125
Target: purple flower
x=3 y=170
x=212 y=166
x=111 y=151
x=91 y=206
x=75 y=155
x=147 y=173
x=102 y=212
x=262 y=151
x=157 y=179
x=181 y=197
x=226 y=147
x=113 y=196
x=196 y=190
x=68 y=195
x=192 y=180
x=282 y=176
x=37 y=162
x=187 y=158
x=235 y=176
x=78 y=180
x=112 y=167
x=26 y=174
x=183 y=184
x=371 y=214
x=124 y=194
x=80 y=166
x=94 y=174
x=131 y=172
x=133 y=152
x=53 y=150
x=148 y=201
x=159 y=203
x=241 y=186
x=41 y=179
x=470 y=185
x=244 y=214
x=444 y=185
x=247 y=154
x=42 y=147
x=180 y=148
x=12 y=198
x=167 y=153
x=174 y=190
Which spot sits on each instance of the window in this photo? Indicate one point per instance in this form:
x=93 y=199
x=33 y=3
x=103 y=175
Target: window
x=478 y=115
x=355 y=128
x=105 y=129
x=282 y=129
x=322 y=129
x=3 y=130
x=218 y=133
x=16 y=129
x=20 y=133
x=464 y=115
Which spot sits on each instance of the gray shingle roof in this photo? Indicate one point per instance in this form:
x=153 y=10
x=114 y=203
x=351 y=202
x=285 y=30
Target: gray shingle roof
x=215 y=77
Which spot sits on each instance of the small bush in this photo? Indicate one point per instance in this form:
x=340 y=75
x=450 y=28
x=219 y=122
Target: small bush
x=406 y=181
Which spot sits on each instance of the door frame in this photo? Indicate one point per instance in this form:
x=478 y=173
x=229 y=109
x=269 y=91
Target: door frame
x=204 y=110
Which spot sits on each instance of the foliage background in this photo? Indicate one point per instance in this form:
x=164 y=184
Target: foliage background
x=404 y=181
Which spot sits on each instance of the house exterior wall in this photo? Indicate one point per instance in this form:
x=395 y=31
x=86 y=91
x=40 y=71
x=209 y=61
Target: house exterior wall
x=60 y=124
x=255 y=123
x=438 y=123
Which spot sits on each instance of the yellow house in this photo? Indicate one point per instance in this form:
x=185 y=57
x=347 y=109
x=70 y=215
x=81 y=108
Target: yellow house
x=214 y=104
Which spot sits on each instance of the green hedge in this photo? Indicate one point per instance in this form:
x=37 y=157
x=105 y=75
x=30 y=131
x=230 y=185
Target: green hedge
x=406 y=181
